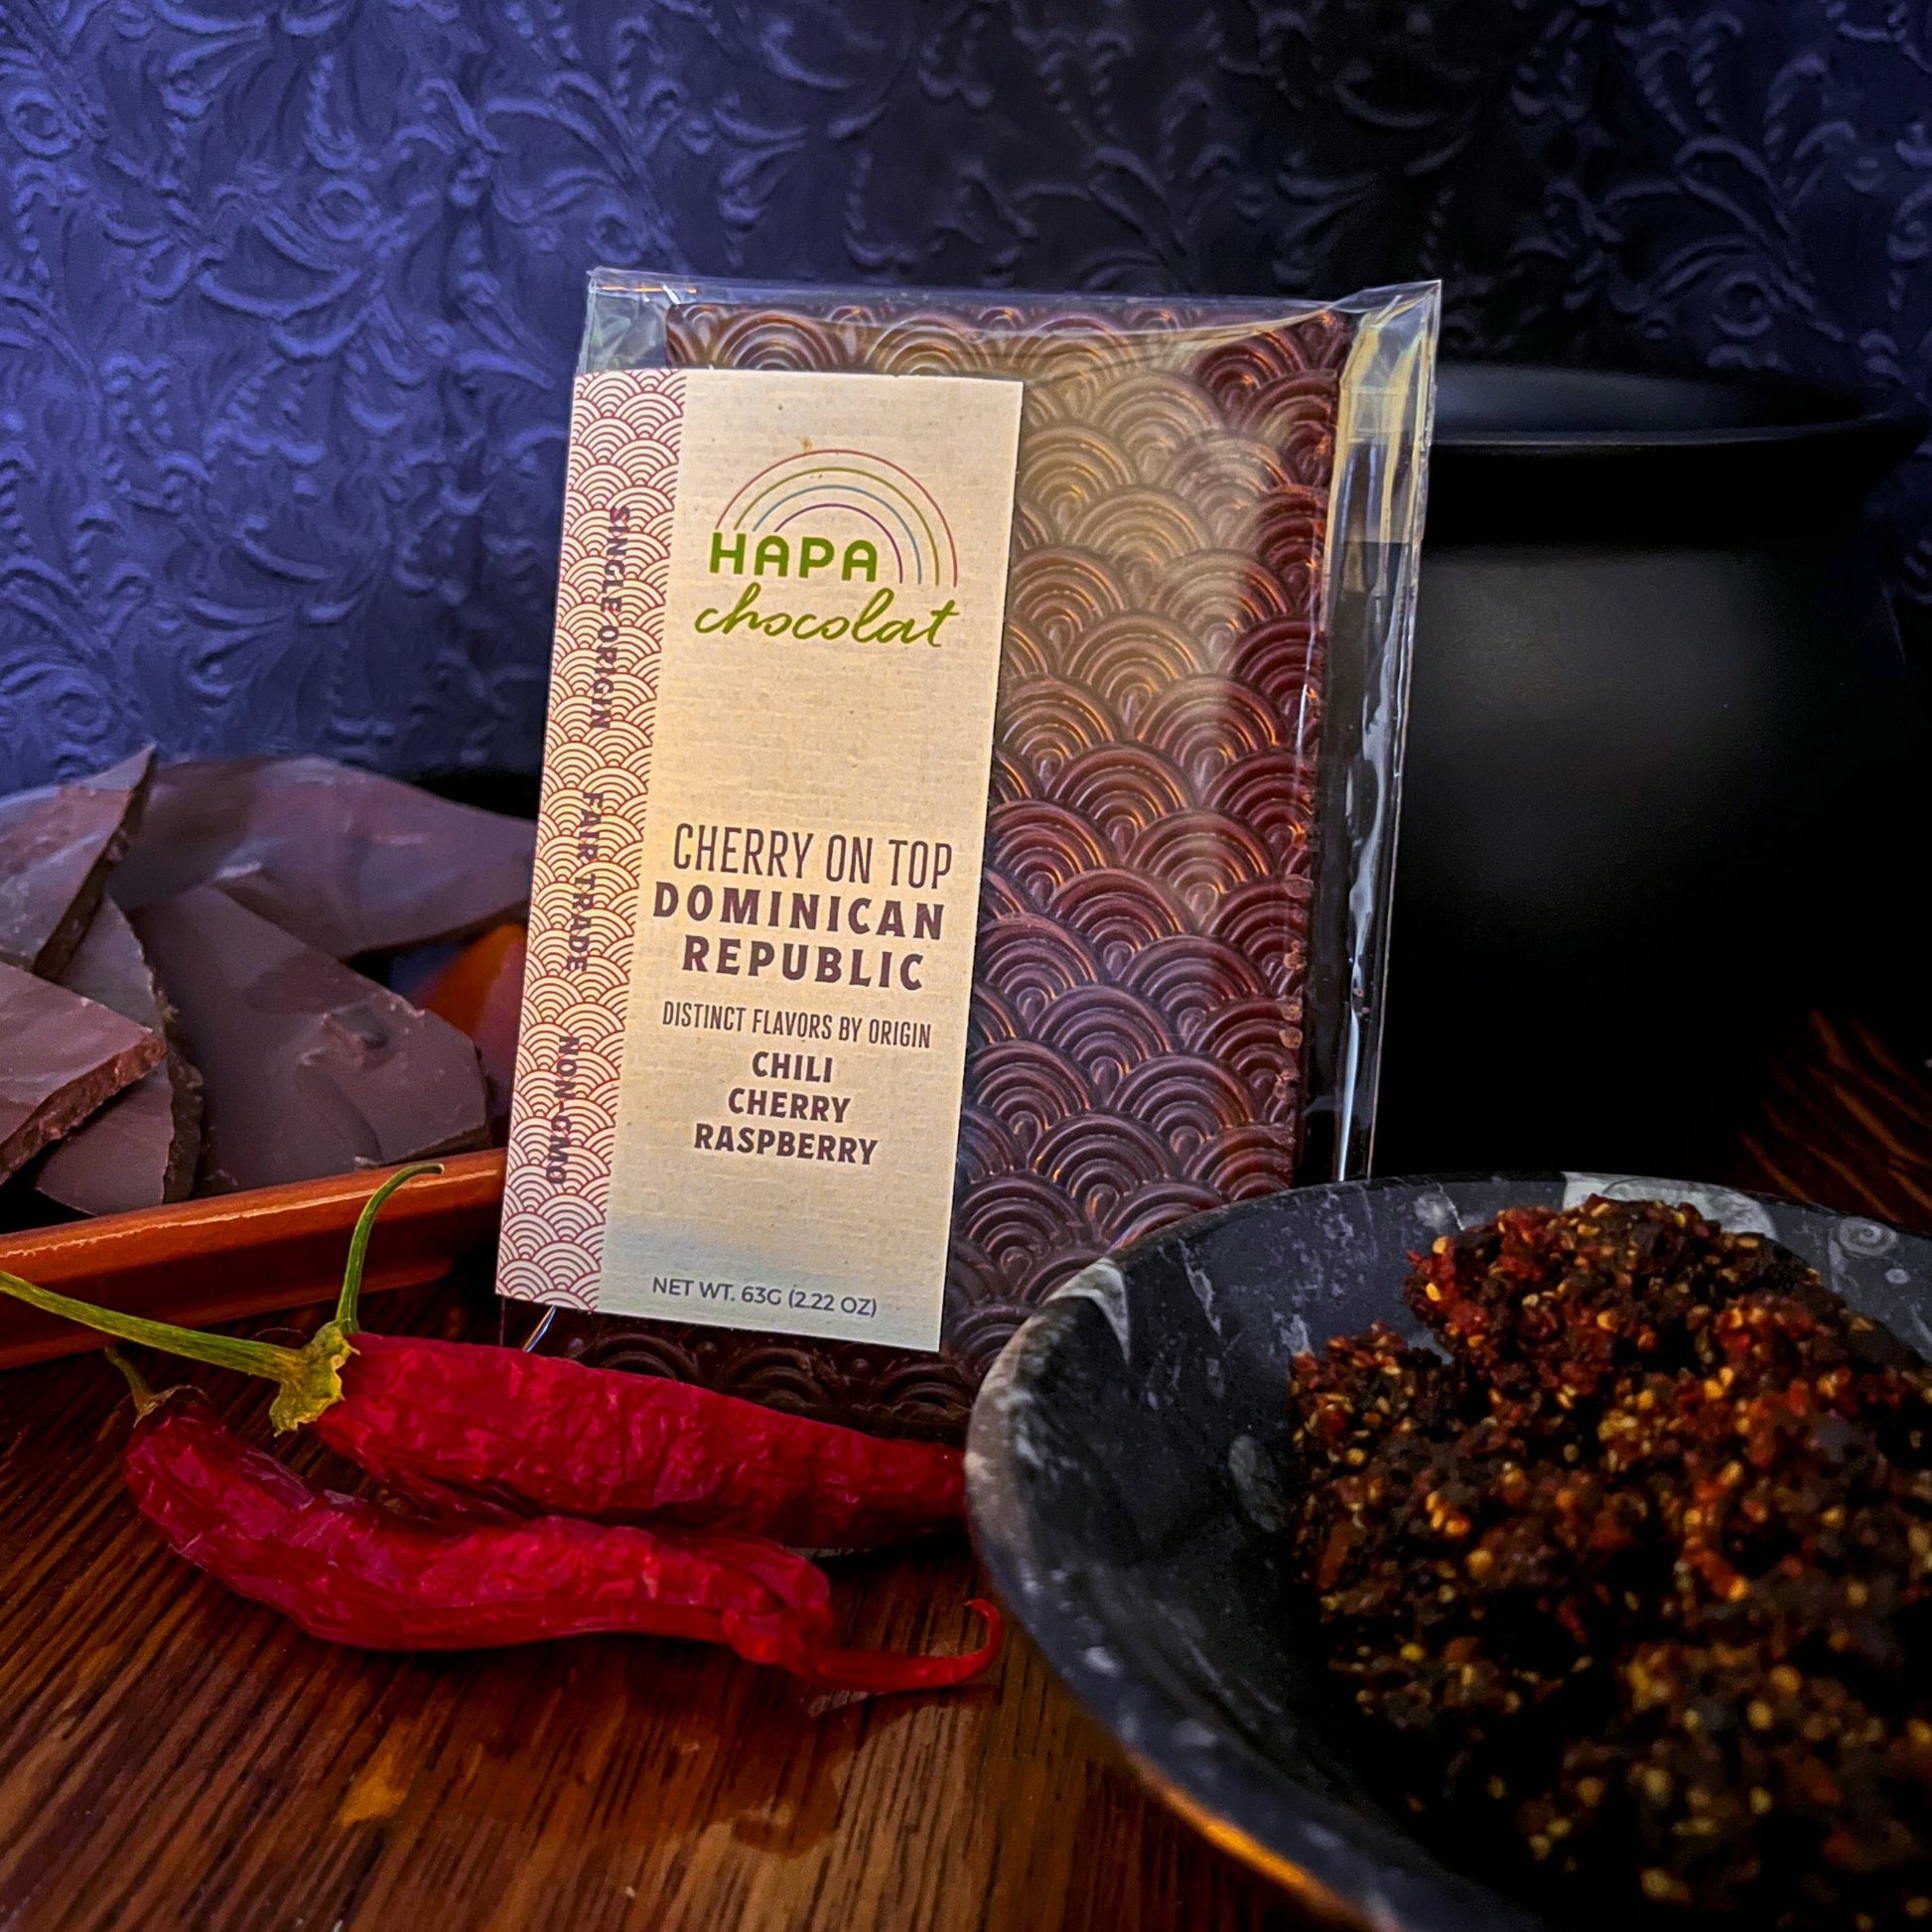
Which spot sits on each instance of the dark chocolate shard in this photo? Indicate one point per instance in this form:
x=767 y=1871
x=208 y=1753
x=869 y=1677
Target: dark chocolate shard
x=57 y=845
x=142 y=1148
x=308 y=1069
x=347 y=861
x=109 y=968
x=65 y=1057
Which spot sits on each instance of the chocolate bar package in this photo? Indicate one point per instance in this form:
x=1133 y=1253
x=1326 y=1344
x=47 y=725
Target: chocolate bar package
x=968 y=816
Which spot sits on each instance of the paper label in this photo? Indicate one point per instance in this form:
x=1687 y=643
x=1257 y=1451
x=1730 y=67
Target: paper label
x=758 y=855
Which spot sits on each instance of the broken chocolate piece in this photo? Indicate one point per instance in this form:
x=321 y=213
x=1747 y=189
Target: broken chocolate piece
x=307 y=1067
x=66 y=1057
x=140 y=1148
x=57 y=844
x=109 y=968
x=347 y=861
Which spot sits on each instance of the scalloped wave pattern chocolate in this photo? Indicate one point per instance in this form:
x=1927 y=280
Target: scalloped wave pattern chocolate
x=1135 y=1052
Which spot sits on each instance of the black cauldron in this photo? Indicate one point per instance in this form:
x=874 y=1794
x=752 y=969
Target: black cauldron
x=1654 y=669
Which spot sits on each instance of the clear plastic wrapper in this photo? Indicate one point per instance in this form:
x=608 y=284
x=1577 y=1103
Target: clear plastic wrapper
x=1196 y=766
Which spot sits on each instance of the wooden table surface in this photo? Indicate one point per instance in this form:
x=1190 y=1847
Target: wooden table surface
x=172 y=1756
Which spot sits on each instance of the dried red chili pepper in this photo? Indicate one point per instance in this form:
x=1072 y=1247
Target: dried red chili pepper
x=467 y=1428
x=349 y=1572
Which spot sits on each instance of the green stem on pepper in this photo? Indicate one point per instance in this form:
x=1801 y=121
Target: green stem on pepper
x=487 y=1432
x=137 y=1383
x=348 y=1302
x=308 y=1379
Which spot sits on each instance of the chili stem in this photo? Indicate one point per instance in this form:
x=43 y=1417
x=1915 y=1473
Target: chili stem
x=359 y=1245
x=307 y=1378
x=144 y=1397
x=264 y=1358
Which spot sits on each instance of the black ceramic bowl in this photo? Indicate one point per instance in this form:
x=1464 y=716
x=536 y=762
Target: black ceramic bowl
x=1125 y=1497
x=1655 y=682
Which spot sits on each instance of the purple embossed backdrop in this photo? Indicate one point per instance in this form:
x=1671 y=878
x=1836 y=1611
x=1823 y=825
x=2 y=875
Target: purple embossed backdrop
x=290 y=294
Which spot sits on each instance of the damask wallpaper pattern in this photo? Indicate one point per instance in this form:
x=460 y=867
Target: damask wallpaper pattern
x=290 y=292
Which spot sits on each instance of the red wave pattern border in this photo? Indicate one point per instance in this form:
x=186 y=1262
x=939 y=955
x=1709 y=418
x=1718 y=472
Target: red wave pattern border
x=624 y=436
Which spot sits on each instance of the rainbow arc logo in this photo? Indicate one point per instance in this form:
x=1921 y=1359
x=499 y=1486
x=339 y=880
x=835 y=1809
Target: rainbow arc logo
x=860 y=505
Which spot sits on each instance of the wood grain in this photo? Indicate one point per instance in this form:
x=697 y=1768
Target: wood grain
x=172 y=1756
x=1844 y=1120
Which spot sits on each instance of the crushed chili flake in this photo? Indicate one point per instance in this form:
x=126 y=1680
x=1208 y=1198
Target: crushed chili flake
x=1641 y=1570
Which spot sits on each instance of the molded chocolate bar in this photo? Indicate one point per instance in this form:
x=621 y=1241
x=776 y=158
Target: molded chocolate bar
x=140 y=1149
x=1146 y=912
x=309 y=1068
x=65 y=1057
x=57 y=844
x=347 y=861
